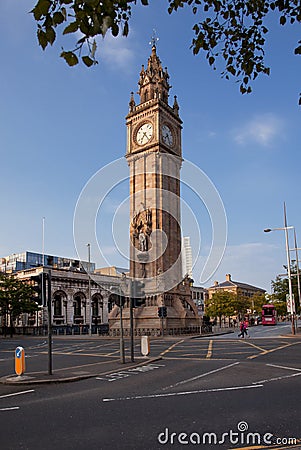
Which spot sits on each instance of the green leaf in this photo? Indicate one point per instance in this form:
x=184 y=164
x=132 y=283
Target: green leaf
x=70 y=58
x=88 y=61
x=42 y=38
x=58 y=18
x=43 y=6
x=71 y=28
x=231 y=70
x=125 y=29
x=50 y=34
x=211 y=60
x=282 y=20
x=144 y=2
x=298 y=50
x=115 y=30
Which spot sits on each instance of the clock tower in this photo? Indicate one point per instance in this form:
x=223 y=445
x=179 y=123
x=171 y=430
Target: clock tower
x=154 y=156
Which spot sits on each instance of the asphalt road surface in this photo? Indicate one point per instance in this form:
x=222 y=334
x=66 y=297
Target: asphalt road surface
x=213 y=392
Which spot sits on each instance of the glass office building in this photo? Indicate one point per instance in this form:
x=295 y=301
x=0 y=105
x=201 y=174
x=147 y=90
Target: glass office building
x=30 y=260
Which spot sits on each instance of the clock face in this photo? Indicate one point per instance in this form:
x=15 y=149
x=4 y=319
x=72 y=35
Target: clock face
x=167 y=135
x=144 y=133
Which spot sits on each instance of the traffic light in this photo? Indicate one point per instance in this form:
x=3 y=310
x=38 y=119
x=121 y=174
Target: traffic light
x=39 y=287
x=116 y=296
x=138 y=293
x=162 y=311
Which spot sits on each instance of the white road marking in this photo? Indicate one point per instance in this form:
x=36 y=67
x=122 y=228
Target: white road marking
x=277 y=378
x=174 y=394
x=284 y=367
x=16 y=393
x=9 y=409
x=132 y=371
x=201 y=376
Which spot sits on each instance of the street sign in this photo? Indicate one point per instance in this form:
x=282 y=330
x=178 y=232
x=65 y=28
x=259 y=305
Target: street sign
x=19 y=360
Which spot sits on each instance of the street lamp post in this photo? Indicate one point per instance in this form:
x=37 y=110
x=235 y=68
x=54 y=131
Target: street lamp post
x=296 y=249
x=291 y=300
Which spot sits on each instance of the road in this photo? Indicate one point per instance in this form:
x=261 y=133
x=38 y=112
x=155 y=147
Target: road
x=214 y=392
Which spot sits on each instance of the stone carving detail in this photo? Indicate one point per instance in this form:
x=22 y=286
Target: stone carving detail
x=141 y=228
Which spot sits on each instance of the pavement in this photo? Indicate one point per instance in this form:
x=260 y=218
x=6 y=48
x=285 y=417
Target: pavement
x=66 y=375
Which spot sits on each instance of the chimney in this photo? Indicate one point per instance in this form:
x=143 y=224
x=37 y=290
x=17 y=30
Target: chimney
x=228 y=277
x=216 y=283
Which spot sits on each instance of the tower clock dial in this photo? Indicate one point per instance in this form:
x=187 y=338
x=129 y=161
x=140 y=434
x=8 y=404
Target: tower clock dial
x=167 y=136
x=144 y=133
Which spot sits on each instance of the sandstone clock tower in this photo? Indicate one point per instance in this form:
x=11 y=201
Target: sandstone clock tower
x=154 y=156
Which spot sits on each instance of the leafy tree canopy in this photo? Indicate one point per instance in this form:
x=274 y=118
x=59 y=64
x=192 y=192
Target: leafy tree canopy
x=280 y=290
x=232 y=30
x=222 y=303
x=16 y=297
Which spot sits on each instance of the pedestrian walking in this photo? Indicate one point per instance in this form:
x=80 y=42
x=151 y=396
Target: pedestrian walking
x=243 y=329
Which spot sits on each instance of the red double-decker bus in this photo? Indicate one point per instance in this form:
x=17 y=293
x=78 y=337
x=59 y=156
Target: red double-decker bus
x=269 y=315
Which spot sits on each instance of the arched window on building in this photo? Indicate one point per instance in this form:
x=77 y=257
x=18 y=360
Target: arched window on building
x=57 y=306
x=97 y=309
x=77 y=306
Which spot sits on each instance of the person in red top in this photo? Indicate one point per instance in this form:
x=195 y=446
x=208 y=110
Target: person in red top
x=243 y=329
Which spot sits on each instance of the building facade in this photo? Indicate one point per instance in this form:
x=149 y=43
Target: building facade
x=236 y=287
x=75 y=297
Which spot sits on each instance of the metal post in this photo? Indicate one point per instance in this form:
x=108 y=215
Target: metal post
x=89 y=289
x=122 y=358
x=289 y=273
x=132 y=321
x=49 y=324
x=298 y=276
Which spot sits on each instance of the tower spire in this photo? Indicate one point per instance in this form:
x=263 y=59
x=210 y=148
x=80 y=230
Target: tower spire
x=153 y=82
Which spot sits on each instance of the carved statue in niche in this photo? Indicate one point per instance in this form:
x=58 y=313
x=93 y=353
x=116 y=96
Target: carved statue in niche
x=141 y=228
x=142 y=241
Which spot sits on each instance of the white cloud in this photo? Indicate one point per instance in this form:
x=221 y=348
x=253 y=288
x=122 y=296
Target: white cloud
x=262 y=129
x=116 y=51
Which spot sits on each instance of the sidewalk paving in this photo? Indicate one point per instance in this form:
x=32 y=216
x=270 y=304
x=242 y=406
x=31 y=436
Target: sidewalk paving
x=68 y=375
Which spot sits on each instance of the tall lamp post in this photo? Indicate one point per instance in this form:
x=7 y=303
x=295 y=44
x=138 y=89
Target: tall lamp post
x=296 y=249
x=291 y=299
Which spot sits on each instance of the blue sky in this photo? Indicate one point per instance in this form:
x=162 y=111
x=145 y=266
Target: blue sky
x=60 y=125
